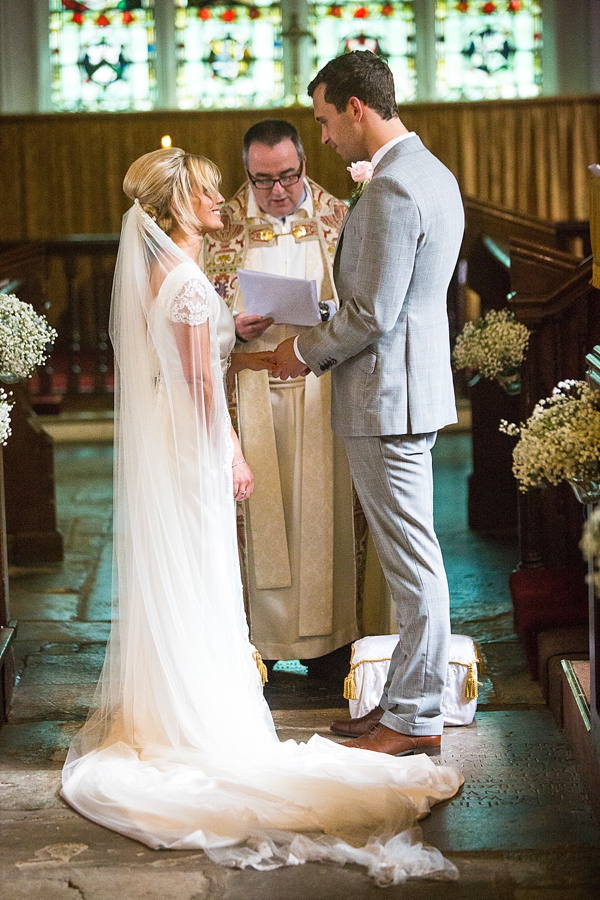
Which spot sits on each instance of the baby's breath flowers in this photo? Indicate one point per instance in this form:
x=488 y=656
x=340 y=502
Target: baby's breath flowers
x=24 y=337
x=560 y=441
x=5 y=407
x=590 y=545
x=493 y=345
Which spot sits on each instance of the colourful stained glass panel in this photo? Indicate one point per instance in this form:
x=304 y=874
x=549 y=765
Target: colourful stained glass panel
x=387 y=29
x=102 y=55
x=228 y=55
x=488 y=50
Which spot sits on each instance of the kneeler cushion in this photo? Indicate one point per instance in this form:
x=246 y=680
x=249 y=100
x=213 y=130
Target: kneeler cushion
x=369 y=666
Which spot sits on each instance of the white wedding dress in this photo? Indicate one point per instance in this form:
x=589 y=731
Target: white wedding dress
x=180 y=750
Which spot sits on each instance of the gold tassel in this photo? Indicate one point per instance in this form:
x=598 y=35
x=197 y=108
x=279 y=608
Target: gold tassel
x=471 y=683
x=350 y=680
x=479 y=659
x=350 y=686
x=262 y=669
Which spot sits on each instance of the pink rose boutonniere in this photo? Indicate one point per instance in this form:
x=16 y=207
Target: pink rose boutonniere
x=361 y=172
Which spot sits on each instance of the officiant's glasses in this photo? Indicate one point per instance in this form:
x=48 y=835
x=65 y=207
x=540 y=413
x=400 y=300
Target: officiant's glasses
x=267 y=184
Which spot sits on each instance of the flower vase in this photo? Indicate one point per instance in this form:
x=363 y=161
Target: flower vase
x=586 y=489
x=9 y=377
x=510 y=382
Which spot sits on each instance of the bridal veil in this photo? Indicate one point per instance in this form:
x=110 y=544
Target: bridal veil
x=180 y=750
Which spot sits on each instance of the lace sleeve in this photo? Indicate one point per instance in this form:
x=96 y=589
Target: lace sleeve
x=190 y=304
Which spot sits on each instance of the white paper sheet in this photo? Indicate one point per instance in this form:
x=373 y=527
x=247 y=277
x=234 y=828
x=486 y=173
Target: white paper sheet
x=291 y=301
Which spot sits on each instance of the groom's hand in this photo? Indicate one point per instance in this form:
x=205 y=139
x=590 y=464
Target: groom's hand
x=285 y=363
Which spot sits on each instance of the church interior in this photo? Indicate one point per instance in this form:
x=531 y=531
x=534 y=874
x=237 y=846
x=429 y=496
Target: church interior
x=526 y=824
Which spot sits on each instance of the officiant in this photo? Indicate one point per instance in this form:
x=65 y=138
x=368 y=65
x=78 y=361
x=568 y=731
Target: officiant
x=297 y=539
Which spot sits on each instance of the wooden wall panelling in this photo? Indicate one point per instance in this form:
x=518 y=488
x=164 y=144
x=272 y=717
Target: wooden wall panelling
x=66 y=170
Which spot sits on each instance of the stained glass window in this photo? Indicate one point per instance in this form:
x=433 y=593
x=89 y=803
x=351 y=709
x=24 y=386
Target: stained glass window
x=228 y=55
x=102 y=55
x=488 y=50
x=225 y=55
x=386 y=28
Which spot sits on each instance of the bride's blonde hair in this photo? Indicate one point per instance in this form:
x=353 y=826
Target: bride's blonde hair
x=163 y=181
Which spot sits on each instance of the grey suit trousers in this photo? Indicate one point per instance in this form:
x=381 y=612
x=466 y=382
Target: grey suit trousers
x=394 y=482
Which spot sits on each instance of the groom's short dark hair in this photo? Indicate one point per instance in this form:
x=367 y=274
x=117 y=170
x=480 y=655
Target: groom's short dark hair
x=359 y=74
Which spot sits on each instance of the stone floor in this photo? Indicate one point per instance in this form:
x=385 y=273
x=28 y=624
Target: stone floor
x=521 y=829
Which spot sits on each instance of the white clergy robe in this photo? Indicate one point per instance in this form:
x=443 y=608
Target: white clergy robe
x=300 y=568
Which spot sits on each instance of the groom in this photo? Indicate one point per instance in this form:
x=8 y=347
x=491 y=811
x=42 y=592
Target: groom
x=389 y=351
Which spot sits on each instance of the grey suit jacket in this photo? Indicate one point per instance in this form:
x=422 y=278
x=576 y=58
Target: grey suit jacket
x=388 y=346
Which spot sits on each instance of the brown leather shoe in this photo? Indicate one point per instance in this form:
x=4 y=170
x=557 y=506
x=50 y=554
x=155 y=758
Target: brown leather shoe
x=384 y=740
x=357 y=727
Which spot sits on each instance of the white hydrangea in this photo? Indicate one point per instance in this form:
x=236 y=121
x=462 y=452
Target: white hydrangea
x=590 y=544
x=24 y=336
x=493 y=345
x=561 y=438
x=5 y=407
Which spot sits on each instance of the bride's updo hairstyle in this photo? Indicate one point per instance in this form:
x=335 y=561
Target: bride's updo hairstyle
x=163 y=181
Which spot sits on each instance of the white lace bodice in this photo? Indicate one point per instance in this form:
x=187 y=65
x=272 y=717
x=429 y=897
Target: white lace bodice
x=188 y=297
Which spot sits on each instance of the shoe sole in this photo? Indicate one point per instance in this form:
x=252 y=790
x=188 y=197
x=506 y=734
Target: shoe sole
x=429 y=751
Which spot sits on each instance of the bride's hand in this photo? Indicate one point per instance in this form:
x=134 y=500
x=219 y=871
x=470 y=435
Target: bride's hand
x=254 y=361
x=243 y=480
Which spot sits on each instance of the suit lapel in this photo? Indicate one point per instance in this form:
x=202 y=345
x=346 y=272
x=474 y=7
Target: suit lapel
x=338 y=247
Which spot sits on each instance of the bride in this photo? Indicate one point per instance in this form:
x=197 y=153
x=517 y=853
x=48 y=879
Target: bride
x=180 y=750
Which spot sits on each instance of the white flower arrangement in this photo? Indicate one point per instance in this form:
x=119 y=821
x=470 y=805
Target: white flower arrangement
x=5 y=407
x=590 y=545
x=24 y=337
x=491 y=346
x=561 y=439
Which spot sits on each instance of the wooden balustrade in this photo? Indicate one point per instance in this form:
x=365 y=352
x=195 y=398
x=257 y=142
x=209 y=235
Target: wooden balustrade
x=81 y=269
x=73 y=290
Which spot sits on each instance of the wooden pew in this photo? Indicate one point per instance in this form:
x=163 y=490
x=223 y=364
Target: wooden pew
x=593 y=378
x=486 y=265
x=8 y=626
x=32 y=536
x=554 y=298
